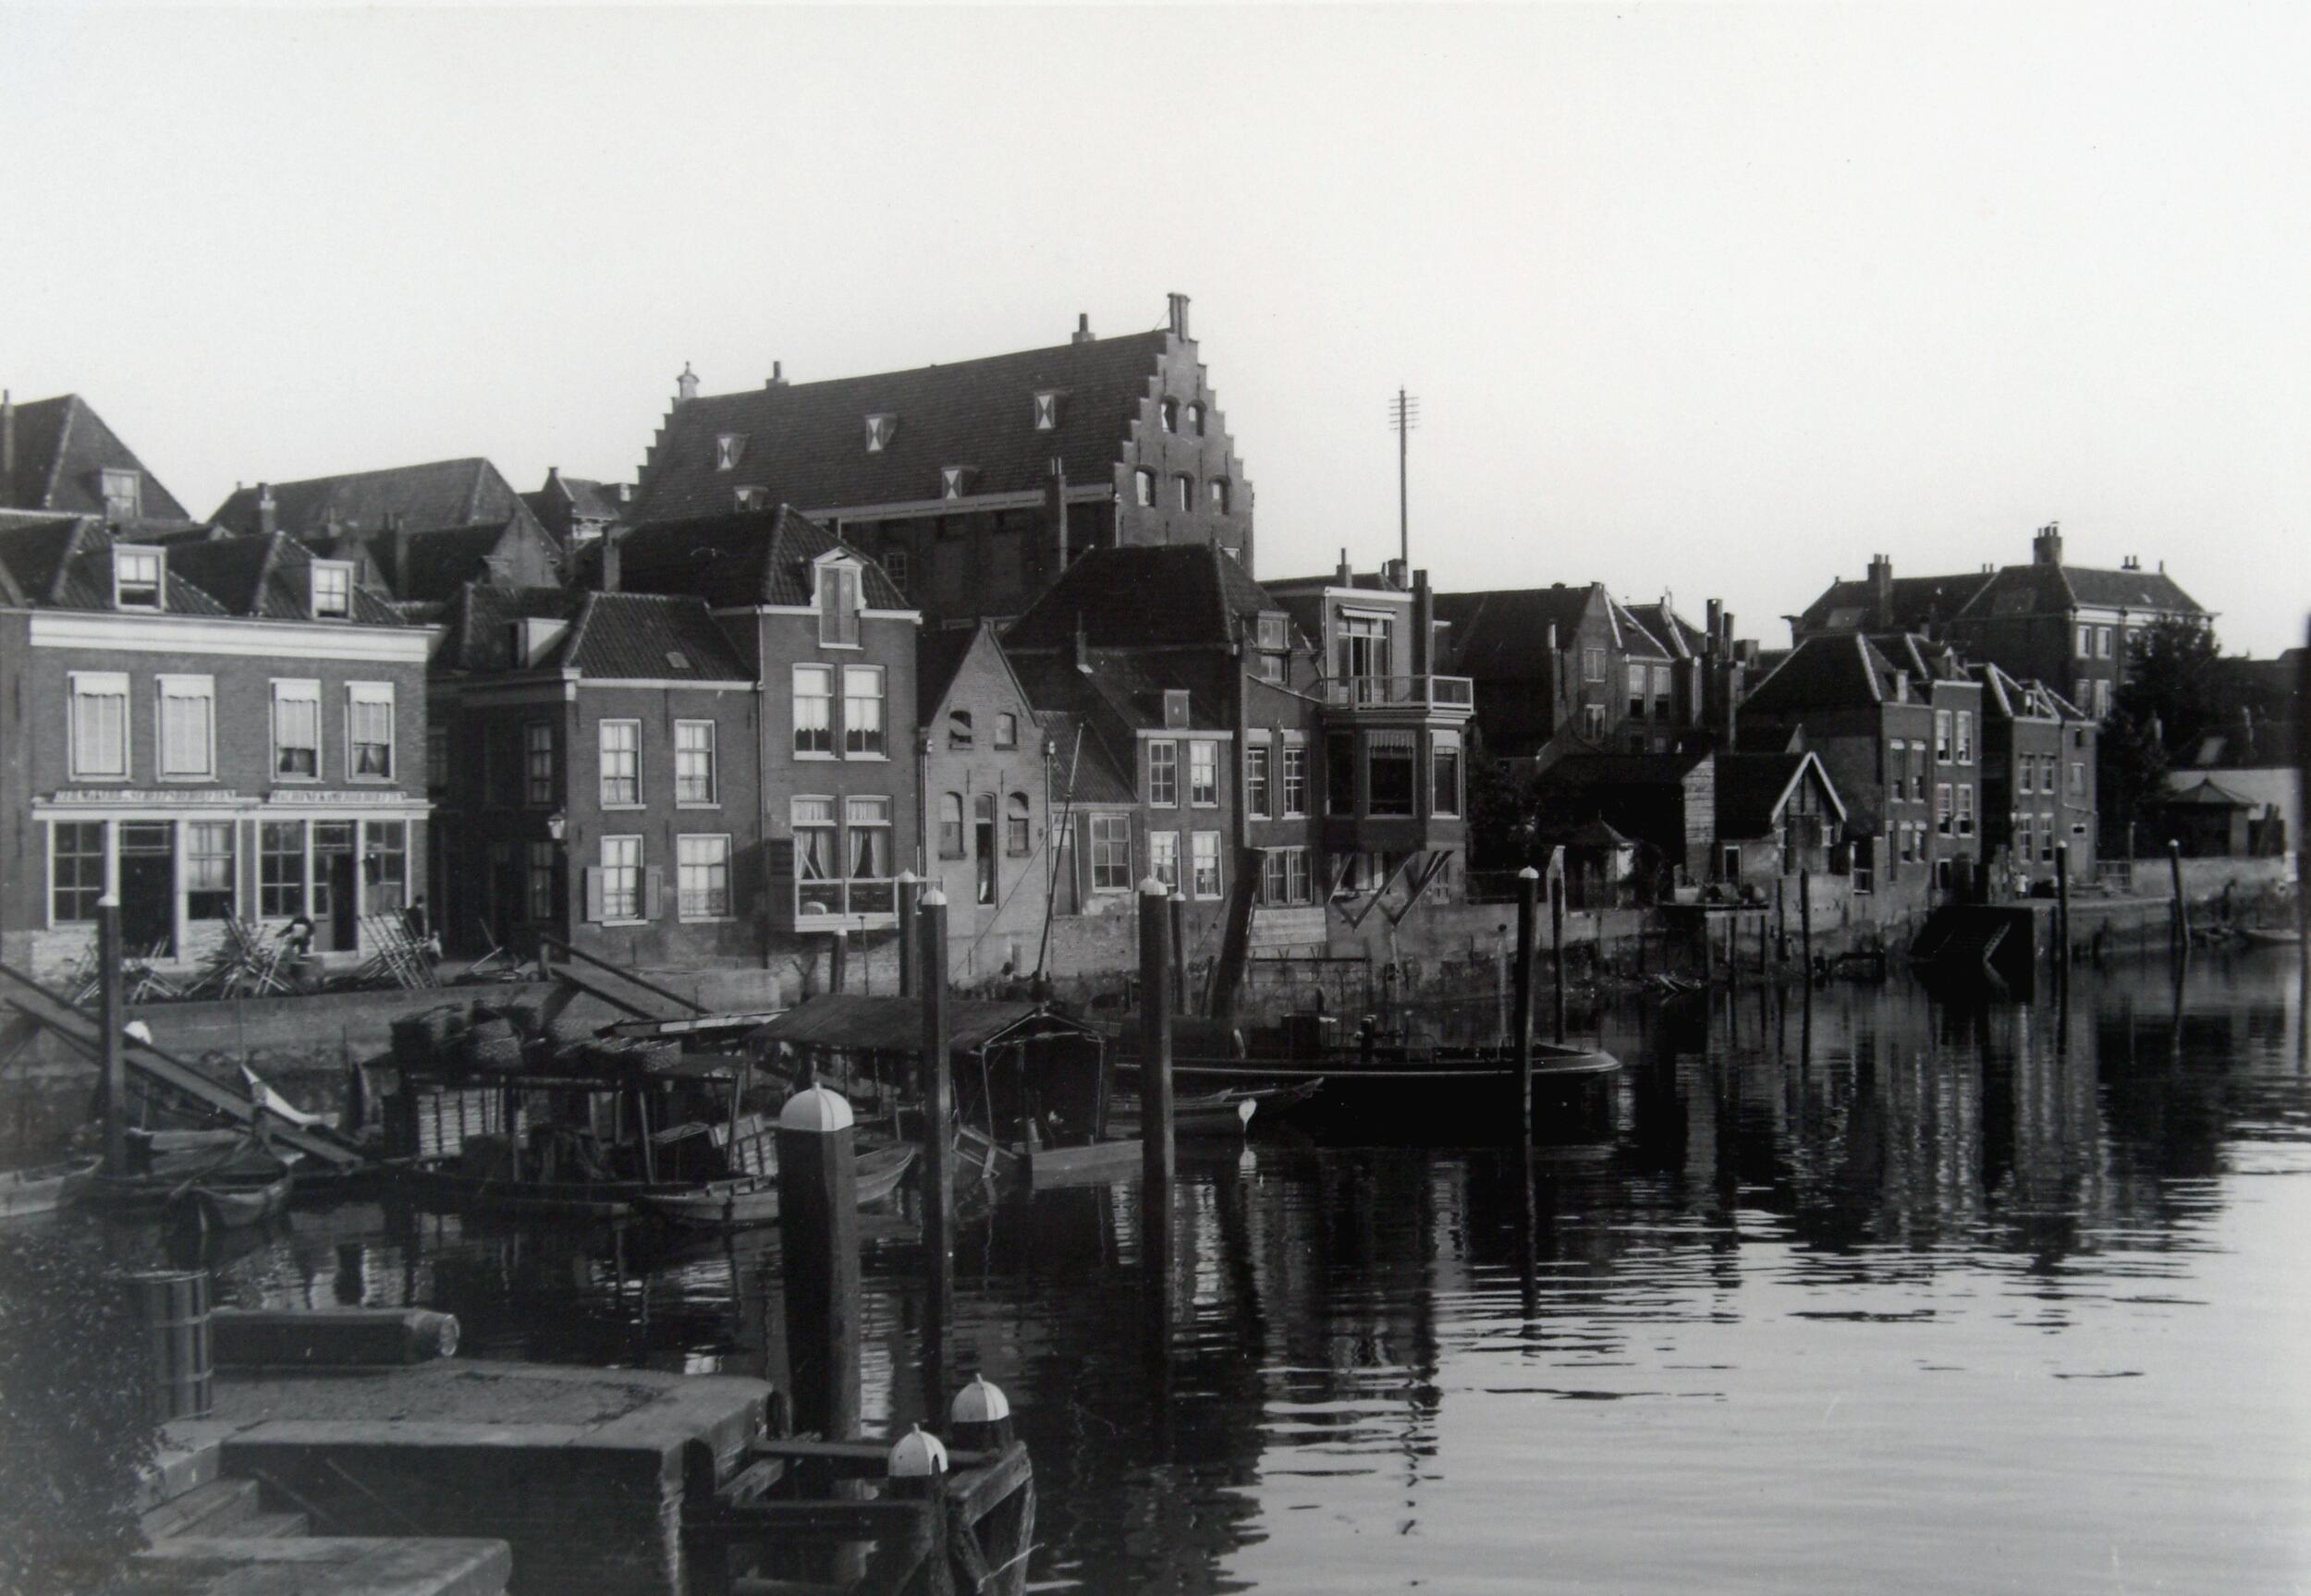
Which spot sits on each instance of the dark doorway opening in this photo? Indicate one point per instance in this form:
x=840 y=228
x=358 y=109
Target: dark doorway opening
x=148 y=889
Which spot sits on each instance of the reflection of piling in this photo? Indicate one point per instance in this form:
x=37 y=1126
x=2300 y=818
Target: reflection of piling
x=1805 y=923
x=2179 y=923
x=1557 y=936
x=818 y=1242
x=1155 y=990
x=1178 y=935
x=937 y=1084
x=2061 y=911
x=2302 y=855
x=910 y=952
x=109 y=1015
x=1528 y=916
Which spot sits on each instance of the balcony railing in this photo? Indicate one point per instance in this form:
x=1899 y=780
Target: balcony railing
x=1399 y=692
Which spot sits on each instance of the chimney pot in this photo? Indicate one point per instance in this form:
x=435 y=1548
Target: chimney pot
x=1342 y=576
x=268 y=513
x=1179 y=315
x=2045 y=549
x=777 y=378
x=686 y=385
x=7 y=443
x=1082 y=328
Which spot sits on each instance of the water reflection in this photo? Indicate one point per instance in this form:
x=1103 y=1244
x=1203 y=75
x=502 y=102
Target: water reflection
x=1843 y=1293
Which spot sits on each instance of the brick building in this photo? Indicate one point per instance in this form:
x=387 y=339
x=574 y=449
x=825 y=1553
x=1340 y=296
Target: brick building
x=577 y=509
x=2038 y=780
x=214 y=731
x=973 y=482
x=58 y=458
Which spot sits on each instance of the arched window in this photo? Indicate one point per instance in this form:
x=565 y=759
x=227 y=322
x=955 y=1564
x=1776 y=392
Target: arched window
x=1015 y=826
x=1183 y=491
x=959 y=728
x=951 y=825
x=1171 y=415
x=1219 y=495
x=1195 y=418
x=1144 y=488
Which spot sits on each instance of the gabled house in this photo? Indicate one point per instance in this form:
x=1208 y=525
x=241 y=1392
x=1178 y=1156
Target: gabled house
x=2038 y=780
x=58 y=458
x=1562 y=669
x=1777 y=816
x=578 y=509
x=973 y=482
x=213 y=732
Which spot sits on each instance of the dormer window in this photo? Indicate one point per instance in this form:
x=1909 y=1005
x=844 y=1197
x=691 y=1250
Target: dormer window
x=880 y=431
x=1218 y=489
x=955 y=481
x=1046 y=409
x=1274 y=635
x=749 y=498
x=839 y=604
x=137 y=575
x=1195 y=417
x=124 y=495
x=1171 y=415
x=729 y=447
x=1144 y=489
x=1175 y=707
x=333 y=589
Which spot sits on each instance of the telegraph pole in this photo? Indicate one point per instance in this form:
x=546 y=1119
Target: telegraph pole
x=1403 y=416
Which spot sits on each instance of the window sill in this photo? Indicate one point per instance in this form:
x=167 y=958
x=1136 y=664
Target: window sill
x=608 y=924
x=703 y=919
x=867 y=759
x=623 y=807
x=814 y=755
x=188 y=780
x=847 y=648
x=698 y=803
x=294 y=778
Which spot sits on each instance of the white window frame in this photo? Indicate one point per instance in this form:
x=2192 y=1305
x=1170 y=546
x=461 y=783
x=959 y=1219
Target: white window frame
x=1965 y=808
x=1293 y=751
x=880 y=697
x=602 y=751
x=313 y=575
x=825 y=672
x=642 y=882
x=97 y=685
x=197 y=690
x=1965 y=737
x=1204 y=851
x=1170 y=747
x=106 y=870
x=1163 y=851
x=848 y=603
x=1439 y=744
x=683 y=865
x=1047 y=410
x=1259 y=791
x=1203 y=773
x=160 y=577
x=714 y=764
x=295 y=690
x=1118 y=829
x=729 y=447
x=370 y=693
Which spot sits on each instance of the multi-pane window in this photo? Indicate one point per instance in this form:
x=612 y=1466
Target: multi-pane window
x=1917 y=772
x=1111 y=853
x=2102 y=643
x=124 y=494
x=2023 y=767
x=1203 y=773
x=2085 y=643
x=1965 y=808
x=983 y=843
x=1284 y=876
x=694 y=762
x=1897 y=751
x=1006 y=731
x=1163 y=773
x=1638 y=677
x=817 y=866
x=1592 y=665
x=702 y=877
x=869 y=819
x=538 y=865
x=951 y=825
x=332 y=590
x=839 y=606
x=622 y=877
x=1275 y=633
x=960 y=734
x=897 y=566
x=296 y=730
x=1965 y=737
x=1204 y=860
x=187 y=727
x=814 y=709
x=537 y=763
x=1445 y=773
x=1017 y=826
x=1255 y=779
x=209 y=869
x=1941 y=736
x=1294 y=759
x=621 y=743
x=280 y=868
x=1389 y=773
x=1942 y=808
x=100 y=724
x=368 y=730
x=1663 y=692
x=2048 y=764
x=76 y=871
x=136 y=579
x=862 y=710
x=385 y=865
x=1163 y=858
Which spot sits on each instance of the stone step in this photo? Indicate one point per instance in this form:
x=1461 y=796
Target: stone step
x=275 y=1526
x=216 y=1508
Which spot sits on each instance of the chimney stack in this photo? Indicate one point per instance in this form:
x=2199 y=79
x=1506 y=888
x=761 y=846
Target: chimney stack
x=1179 y=315
x=1882 y=590
x=2045 y=549
x=1055 y=513
x=1424 y=626
x=268 y=513
x=7 y=443
x=1343 y=576
x=1714 y=624
x=401 y=537
x=1394 y=573
x=777 y=378
x=686 y=385
x=1082 y=328
x=611 y=575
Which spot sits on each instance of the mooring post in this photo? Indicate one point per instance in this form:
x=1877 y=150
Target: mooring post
x=917 y=1472
x=1178 y=933
x=109 y=1015
x=1156 y=995
x=937 y=1084
x=1805 y=923
x=2302 y=845
x=818 y=1242
x=1557 y=936
x=1528 y=929
x=838 y=963
x=2181 y=910
x=2062 y=910
x=910 y=955
x=980 y=1420
x=1781 y=919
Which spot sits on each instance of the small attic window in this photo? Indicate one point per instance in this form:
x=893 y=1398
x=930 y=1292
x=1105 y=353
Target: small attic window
x=1170 y=412
x=124 y=494
x=137 y=578
x=880 y=430
x=728 y=448
x=1046 y=409
x=676 y=660
x=1175 y=707
x=955 y=481
x=1144 y=488
x=1195 y=417
x=749 y=498
x=839 y=604
x=333 y=589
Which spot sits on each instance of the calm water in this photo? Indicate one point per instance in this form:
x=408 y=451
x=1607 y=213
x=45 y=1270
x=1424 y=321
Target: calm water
x=1893 y=1295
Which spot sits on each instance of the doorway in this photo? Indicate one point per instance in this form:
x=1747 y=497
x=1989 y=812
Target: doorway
x=148 y=889
x=337 y=907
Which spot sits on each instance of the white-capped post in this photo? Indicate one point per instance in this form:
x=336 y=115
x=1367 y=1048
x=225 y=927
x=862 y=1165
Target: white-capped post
x=818 y=1224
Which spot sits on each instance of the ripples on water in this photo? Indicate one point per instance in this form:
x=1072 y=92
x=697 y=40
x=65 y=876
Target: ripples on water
x=1896 y=1296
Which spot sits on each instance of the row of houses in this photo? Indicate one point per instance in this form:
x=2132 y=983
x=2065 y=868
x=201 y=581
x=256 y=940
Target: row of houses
x=992 y=624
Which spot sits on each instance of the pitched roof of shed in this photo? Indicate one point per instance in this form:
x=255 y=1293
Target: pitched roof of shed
x=806 y=442
x=62 y=449
x=742 y=558
x=425 y=498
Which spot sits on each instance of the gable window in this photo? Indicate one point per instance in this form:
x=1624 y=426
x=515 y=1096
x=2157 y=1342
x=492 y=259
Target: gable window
x=333 y=589
x=896 y=566
x=1204 y=861
x=983 y=841
x=1592 y=665
x=1046 y=410
x=1388 y=774
x=862 y=711
x=1006 y=731
x=1203 y=773
x=693 y=763
x=1183 y=491
x=621 y=743
x=702 y=877
x=1293 y=776
x=1144 y=488
x=1163 y=858
x=880 y=430
x=728 y=447
x=187 y=728
x=1016 y=825
x=951 y=825
x=1195 y=417
x=124 y=495
x=1255 y=778
x=1111 y=853
x=1163 y=773
x=839 y=605
x=1965 y=737
x=952 y=482
x=137 y=575
x=1170 y=412
x=76 y=871
x=296 y=730
x=1218 y=489
x=1444 y=773
x=815 y=711
x=958 y=730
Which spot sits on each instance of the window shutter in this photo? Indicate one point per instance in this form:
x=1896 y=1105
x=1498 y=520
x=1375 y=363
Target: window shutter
x=652 y=879
x=593 y=894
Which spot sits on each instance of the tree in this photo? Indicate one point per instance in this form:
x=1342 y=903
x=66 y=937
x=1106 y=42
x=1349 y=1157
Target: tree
x=2173 y=695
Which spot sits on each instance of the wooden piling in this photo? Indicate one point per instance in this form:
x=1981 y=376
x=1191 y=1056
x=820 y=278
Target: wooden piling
x=111 y=1017
x=1557 y=934
x=1805 y=923
x=1528 y=927
x=2062 y=909
x=2302 y=845
x=1156 y=986
x=910 y=951
x=818 y=1243
x=936 y=1066
x=1179 y=933
x=2181 y=921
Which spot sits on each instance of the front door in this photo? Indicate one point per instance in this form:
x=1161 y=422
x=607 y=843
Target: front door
x=148 y=889
x=336 y=908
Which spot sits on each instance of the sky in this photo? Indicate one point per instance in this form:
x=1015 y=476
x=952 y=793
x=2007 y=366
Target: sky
x=1712 y=300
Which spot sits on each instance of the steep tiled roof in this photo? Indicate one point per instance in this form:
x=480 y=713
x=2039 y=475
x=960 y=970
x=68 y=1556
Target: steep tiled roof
x=439 y=561
x=1678 y=635
x=1830 y=672
x=476 y=623
x=938 y=656
x=425 y=498
x=744 y=558
x=1082 y=770
x=268 y=577
x=63 y=447
x=1179 y=595
x=805 y=443
x=1636 y=639
x=68 y=565
x=2045 y=588
x=649 y=637
x=1499 y=636
x=1751 y=786
x=1914 y=602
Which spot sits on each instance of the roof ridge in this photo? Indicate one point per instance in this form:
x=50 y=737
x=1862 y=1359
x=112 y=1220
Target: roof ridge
x=576 y=640
x=927 y=366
